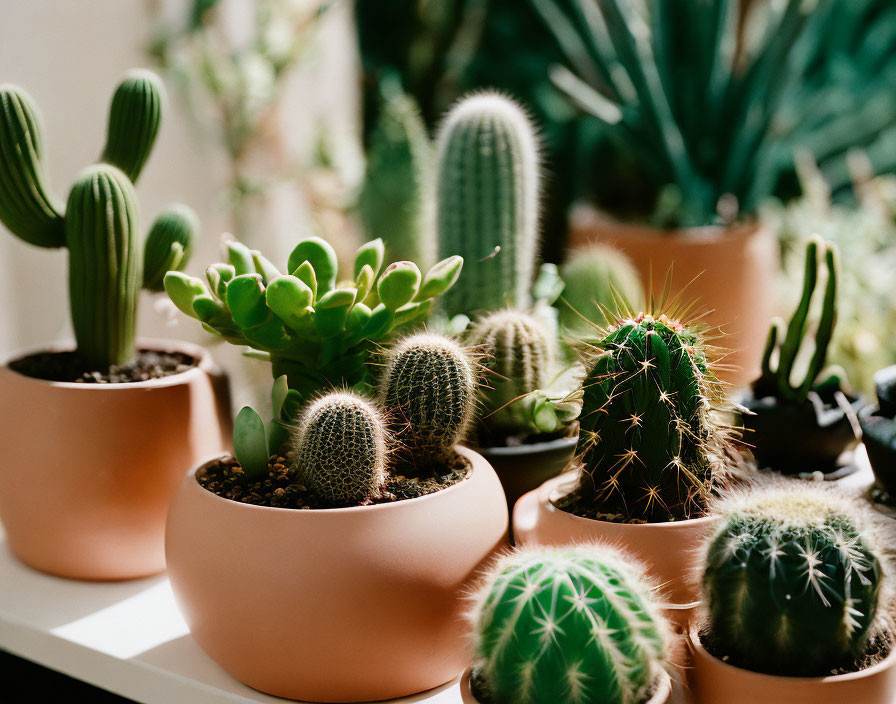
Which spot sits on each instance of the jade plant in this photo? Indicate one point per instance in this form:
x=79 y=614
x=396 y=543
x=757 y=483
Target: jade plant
x=797 y=580
x=314 y=327
x=651 y=447
x=99 y=223
x=573 y=625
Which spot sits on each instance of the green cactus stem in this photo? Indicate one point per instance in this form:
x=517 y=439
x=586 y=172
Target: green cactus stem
x=168 y=245
x=134 y=119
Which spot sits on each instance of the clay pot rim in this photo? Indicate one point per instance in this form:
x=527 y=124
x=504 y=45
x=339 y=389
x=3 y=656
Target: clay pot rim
x=206 y=495
x=530 y=448
x=701 y=654
x=203 y=365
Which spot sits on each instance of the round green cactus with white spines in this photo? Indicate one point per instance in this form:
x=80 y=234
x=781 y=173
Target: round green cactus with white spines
x=650 y=446
x=429 y=390
x=570 y=625
x=340 y=449
x=487 y=198
x=795 y=580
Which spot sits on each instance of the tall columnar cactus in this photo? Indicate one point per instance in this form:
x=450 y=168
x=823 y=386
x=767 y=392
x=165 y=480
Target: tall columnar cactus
x=99 y=225
x=487 y=195
x=597 y=279
x=429 y=388
x=572 y=626
x=340 y=449
x=394 y=202
x=795 y=579
x=650 y=448
x=778 y=382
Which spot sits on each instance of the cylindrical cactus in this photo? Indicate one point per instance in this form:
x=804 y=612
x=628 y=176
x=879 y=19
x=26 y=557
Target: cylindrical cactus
x=597 y=279
x=428 y=388
x=168 y=245
x=104 y=264
x=519 y=351
x=793 y=580
x=649 y=447
x=572 y=626
x=487 y=195
x=134 y=119
x=340 y=449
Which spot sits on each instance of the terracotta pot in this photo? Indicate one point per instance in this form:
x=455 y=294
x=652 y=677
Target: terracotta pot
x=661 y=696
x=713 y=682
x=668 y=550
x=89 y=470
x=730 y=271
x=335 y=605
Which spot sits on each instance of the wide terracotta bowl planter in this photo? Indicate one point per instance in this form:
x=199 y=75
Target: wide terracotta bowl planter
x=335 y=605
x=669 y=551
x=89 y=470
x=728 y=271
x=713 y=681
x=662 y=695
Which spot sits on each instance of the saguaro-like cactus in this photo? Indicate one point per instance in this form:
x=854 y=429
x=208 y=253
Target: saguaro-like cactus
x=572 y=626
x=429 y=388
x=794 y=579
x=649 y=446
x=340 y=449
x=487 y=202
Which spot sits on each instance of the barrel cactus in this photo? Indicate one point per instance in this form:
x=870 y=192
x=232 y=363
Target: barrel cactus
x=99 y=223
x=650 y=446
x=487 y=191
x=796 y=581
x=573 y=626
x=340 y=449
x=429 y=389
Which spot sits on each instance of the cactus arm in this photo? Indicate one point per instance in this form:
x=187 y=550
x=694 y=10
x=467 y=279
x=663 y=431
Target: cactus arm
x=825 y=324
x=796 y=329
x=26 y=206
x=168 y=245
x=134 y=118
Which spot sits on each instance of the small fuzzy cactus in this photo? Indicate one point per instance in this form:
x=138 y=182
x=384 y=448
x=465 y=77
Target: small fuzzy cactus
x=429 y=389
x=340 y=449
x=487 y=191
x=597 y=279
x=571 y=626
x=795 y=579
x=650 y=448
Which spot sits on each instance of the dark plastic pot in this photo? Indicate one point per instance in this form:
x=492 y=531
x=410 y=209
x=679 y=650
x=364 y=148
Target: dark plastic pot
x=879 y=429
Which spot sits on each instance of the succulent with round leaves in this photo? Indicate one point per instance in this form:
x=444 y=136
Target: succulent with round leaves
x=429 y=390
x=487 y=193
x=340 y=449
x=577 y=625
x=796 y=581
x=319 y=335
x=650 y=447
x=99 y=224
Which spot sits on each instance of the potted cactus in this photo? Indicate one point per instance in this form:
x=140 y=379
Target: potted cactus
x=577 y=625
x=332 y=569
x=487 y=197
x=798 y=588
x=651 y=452
x=805 y=426
x=879 y=429
x=127 y=419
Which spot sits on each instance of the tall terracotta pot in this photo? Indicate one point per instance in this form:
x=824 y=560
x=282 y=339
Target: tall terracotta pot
x=729 y=271
x=89 y=470
x=335 y=605
x=670 y=551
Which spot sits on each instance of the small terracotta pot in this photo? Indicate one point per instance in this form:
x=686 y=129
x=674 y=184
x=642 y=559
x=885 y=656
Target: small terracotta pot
x=713 y=682
x=661 y=696
x=89 y=470
x=335 y=605
x=730 y=271
x=669 y=551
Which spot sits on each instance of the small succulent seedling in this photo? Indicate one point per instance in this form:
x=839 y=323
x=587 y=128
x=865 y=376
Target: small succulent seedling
x=796 y=581
x=572 y=626
x=99 y=224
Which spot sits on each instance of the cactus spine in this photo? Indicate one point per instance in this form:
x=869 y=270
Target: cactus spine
x=487 y=202
x=429 y=389
x=134 y=119
x=649 y=446
x=341 y=449
x=795 y=579
x=573 y=626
